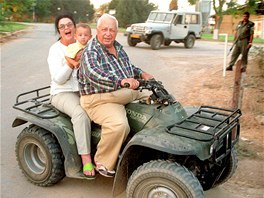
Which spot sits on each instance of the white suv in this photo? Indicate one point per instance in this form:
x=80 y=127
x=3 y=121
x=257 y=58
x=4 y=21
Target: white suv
x=164 y=27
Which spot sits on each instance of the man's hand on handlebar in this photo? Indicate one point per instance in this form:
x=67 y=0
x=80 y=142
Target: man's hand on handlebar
x=146 y=76
x=130 y=83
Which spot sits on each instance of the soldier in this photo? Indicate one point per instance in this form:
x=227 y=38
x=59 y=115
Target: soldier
x=243 y=42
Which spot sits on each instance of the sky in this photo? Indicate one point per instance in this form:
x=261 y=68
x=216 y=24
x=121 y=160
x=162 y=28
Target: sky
x=163 y=4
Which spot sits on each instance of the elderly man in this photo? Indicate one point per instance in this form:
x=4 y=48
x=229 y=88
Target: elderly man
x=104 y=71
x=243 y=38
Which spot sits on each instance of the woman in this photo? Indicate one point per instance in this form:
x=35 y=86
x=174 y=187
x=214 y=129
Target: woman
x=65 y=93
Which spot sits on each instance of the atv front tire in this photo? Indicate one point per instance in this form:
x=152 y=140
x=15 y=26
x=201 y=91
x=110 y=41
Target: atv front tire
x=39 y=156
x=163 y=179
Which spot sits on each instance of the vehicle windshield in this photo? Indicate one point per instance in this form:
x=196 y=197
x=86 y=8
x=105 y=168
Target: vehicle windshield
x=160 y=17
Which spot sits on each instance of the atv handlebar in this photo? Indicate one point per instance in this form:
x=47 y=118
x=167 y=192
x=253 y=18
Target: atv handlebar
x=159 y=93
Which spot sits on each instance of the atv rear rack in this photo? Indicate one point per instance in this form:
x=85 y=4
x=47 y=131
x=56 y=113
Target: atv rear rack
x=37 y=103
x=210 y=123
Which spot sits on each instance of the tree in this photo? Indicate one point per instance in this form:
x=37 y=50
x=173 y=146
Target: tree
x=129 y=12
x=45 y=10
x=104 y=8
x=15 y=9
x=252 y=5
x=232 y=8
x=218 y=11
x=113 y=4
x=173 y=5
x=218 y=8
x=41 y=9
x=82 y=10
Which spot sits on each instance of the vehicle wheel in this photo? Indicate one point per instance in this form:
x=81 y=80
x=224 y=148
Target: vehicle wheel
x=229 y=170
x=189 y=41
x=163 y=179
x=156 y=41
x=131 y=42
x=39 y=156
x=167 y=43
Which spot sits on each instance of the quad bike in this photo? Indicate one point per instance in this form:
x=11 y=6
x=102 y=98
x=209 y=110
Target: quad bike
x=171 y=151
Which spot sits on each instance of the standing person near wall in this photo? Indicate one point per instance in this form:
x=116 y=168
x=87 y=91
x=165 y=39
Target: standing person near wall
x=243 y=42
x=104 y=70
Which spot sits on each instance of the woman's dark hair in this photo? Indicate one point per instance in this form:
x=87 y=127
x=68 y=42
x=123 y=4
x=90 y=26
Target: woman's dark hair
x=64 y=15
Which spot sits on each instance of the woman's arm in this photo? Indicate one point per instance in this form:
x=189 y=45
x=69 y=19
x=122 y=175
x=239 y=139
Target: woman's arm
x=59 y=70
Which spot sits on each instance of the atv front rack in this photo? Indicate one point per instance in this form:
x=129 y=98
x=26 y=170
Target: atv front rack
x=211 y=124
x=37 y=103
x=208 y=123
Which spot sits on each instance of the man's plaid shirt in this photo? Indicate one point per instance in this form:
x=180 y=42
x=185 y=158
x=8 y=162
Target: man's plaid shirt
x=101 y=71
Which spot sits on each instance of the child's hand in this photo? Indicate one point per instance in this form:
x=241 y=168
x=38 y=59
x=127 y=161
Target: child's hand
x=76 y=65
x=78 y=55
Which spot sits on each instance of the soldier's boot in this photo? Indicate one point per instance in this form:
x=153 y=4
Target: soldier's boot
x=229 y=68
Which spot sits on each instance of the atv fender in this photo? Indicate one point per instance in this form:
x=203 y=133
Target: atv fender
x=153 y=138
x=61 y=128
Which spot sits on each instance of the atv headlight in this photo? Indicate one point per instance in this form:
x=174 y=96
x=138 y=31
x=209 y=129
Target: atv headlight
x=211 y=149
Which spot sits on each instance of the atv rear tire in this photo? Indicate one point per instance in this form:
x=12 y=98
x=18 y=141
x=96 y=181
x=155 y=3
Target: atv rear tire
x=39 y=156
x=230 y=168
x=163 y=179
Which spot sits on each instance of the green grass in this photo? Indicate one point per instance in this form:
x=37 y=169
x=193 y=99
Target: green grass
x=230 y=38
x=11 y=26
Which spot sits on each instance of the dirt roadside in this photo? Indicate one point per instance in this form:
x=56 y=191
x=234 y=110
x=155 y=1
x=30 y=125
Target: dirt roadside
x=248 y=181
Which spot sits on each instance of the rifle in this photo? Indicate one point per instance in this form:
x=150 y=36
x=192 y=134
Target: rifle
x=232 y=46
x=236 y=36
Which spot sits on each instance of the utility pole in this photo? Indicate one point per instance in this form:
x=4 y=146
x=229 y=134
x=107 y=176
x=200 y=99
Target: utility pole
x=238 y=90
x=34 y=11
x=238 y=86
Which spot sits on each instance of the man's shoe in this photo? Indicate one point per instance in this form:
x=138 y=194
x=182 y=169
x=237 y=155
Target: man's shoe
x=229 y=68
x=104 y=171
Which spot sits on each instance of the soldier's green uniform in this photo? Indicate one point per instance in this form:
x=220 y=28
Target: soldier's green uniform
x=243 y=36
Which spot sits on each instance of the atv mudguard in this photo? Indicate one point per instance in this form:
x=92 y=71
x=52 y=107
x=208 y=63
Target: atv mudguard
x=156 y=139
x=61 y=128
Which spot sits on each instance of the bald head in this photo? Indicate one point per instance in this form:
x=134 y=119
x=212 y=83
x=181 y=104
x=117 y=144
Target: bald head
x=107 y=17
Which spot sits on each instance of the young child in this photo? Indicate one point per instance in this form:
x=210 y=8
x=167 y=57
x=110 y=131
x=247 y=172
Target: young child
x=82 y=35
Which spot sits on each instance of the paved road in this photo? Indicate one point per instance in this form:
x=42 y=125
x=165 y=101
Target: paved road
x=24 y=67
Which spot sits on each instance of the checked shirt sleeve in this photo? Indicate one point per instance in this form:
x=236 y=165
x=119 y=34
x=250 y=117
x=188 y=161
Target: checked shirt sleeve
x=92 y=73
